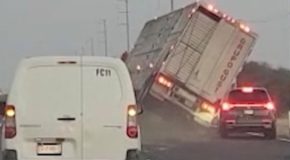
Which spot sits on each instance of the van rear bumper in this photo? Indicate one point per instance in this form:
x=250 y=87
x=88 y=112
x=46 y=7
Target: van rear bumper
x=12 y=151
x=12 y=155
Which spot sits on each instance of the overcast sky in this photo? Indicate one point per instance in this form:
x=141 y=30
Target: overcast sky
x=63 y=27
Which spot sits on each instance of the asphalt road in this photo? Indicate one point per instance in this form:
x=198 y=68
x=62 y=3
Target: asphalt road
x=169 y=133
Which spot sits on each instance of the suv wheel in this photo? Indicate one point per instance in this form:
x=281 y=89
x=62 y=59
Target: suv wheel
x=271 y=133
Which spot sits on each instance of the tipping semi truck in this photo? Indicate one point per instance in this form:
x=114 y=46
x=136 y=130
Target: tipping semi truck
x=191 y=55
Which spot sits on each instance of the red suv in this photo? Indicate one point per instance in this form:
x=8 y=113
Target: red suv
x=248 y=110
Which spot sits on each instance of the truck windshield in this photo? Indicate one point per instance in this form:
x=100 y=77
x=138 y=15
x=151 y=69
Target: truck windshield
x=257 y=96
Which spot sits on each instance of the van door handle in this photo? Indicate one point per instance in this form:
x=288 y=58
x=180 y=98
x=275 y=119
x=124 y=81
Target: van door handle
x=66 y=119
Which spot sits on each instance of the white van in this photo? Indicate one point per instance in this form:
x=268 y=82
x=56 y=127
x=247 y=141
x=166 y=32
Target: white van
x=72 y=108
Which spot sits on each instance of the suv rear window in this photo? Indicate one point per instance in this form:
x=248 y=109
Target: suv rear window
x=257 y=96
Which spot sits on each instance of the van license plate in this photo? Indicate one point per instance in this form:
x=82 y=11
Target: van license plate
x=49 y=149
x=249 y=112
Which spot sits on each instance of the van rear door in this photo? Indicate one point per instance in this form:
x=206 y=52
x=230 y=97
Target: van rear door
x=104 y=113
x=49 y=119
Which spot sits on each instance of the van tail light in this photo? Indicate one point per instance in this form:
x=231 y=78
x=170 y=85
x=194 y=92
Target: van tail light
x=132 y=127
x=164 y=81
x=10 y=122
x=226 y=106
x=270 y=106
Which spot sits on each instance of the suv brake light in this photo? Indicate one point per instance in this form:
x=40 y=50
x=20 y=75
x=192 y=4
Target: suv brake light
x=132 y=128
x=226 y=106
x=247 y=89
x=10 y=122
x=270 y=106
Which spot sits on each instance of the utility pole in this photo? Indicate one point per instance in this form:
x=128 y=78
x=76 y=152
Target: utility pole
x=127 y=22
x=105 y=37
x=127 y=25
x=83 y=51
x=92 y=46
x=172 y=5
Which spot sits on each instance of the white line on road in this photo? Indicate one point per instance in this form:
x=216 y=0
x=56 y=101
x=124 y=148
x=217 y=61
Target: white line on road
x=255 y=134
x=279 y=139
x=284 y=140
x=162 y=148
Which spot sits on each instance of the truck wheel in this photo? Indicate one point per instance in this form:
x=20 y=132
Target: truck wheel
x=271 y=133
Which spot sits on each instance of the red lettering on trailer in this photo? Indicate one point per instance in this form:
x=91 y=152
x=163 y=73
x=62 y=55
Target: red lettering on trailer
x=230 y=64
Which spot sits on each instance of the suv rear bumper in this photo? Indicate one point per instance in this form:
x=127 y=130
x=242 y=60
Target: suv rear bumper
x=249 y=125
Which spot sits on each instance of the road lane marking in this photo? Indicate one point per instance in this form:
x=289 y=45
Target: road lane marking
x=284 y=140
x=162 y=148
x=255 y=134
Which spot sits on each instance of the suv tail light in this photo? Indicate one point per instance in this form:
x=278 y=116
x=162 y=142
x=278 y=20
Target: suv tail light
x=270 y=106
x=247 y=89
x=10 y=122
x=226 y=106
x=132 y=127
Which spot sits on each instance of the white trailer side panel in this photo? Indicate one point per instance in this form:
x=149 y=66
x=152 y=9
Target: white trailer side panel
x=228 y=66
x=190 y=47
x=221 y=39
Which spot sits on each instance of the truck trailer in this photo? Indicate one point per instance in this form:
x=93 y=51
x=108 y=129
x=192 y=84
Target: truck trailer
x=191 y=55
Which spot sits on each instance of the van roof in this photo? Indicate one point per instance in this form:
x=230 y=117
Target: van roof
x=56 y=60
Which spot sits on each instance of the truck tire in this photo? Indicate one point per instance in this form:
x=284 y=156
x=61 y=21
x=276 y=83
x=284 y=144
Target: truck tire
x=271 y=133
